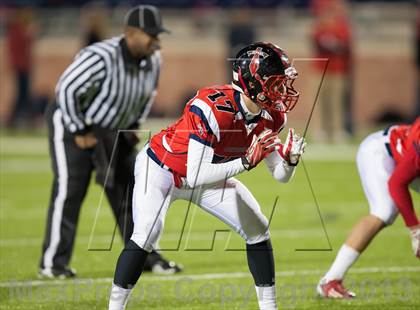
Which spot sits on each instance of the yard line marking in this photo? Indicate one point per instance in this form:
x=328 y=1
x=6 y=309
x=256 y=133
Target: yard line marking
x=205 y=276
x=40 y=162
x=24 y=166
x=282 y=233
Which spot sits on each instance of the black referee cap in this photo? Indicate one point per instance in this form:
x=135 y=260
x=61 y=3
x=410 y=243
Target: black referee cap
x=147 y=18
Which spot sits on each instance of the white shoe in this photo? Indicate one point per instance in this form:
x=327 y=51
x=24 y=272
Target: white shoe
x=52 y=273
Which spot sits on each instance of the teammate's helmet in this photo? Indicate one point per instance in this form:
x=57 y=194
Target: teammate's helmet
x=262 y=71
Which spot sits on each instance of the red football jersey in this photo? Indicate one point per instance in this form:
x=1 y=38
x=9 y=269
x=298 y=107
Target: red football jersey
x=215 y=118
x=401 y=137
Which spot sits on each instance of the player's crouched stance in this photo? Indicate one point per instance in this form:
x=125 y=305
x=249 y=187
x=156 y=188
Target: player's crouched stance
x=388 y=162
x=223 y=131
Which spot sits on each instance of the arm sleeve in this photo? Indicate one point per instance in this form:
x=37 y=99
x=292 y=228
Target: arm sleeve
x=279 y=168
x=407 y=169
x=85 y=74
x=201 y=170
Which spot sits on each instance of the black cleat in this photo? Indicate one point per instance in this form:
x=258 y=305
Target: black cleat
x=52 y=273
x=157 y=264
x=164 y=267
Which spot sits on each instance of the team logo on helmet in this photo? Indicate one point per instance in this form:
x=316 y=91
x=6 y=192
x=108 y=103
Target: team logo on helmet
x=255 y=61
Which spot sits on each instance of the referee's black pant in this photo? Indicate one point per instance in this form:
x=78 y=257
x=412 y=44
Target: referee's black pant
x=72 y=168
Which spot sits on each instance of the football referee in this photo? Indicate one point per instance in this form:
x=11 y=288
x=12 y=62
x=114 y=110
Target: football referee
x=110 y=86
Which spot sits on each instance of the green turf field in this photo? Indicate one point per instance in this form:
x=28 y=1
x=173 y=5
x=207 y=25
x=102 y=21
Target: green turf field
x=216 y=274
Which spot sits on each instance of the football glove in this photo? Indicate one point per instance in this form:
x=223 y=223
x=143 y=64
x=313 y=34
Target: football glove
x=293 y=148
x=415 y=241
x=266 y=142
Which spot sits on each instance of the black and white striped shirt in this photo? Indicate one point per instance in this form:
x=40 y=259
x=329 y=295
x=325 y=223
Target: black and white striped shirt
x=107 y=87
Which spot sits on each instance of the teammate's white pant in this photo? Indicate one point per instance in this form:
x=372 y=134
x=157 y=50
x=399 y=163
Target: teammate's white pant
x=229 y=201
x=375 y=168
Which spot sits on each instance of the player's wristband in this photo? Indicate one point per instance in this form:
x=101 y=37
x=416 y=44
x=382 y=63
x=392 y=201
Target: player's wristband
x=292 y=165
x=246 y=163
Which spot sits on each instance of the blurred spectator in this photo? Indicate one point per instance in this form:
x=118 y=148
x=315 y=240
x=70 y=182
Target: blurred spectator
x=39 y=102
x=203 y=11
x=94 y=25
x=332 y=39
x=241 y=33
x=20 y=31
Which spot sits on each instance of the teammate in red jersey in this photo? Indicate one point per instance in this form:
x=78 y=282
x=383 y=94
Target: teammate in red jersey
x=388 y=163
x=223 y=131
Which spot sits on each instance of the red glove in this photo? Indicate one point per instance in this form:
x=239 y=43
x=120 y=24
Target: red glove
x=260 y=147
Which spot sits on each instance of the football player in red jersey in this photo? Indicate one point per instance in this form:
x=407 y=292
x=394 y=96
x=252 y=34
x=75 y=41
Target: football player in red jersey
x=223 y=131
x=388 y=163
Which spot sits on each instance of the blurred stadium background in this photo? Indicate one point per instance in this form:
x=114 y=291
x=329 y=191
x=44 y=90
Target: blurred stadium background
x=384 y=68
x=383 y=87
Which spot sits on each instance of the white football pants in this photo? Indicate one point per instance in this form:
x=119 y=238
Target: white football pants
x=375 y=167
x=154 y=191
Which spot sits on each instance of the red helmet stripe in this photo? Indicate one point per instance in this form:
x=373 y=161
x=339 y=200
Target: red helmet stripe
x=255 y=61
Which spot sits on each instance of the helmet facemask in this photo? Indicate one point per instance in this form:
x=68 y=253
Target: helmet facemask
x=277 y=89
